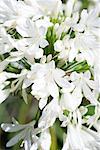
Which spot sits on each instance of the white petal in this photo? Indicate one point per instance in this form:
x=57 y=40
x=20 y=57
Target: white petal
x=45 y=140
x=49 y=114
x=87 y=74
x=4 y=94
x=74 y=76
x=89 y=56
x=27 y=141
x=72 y=53
x=69 y=101
x=12 y=127
x=88 y=94
x=43 y=43
x=3 y=65
x=53 y=89
x=42 y=103
x=58 y=45
x=16 y=139
x=26 y=83
x=39 y=53
x=69 y=7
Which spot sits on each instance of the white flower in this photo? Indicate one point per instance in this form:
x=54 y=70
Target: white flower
x=90 y=21
x=75 y=117
x=25 y=133
x=44 y=142
x=40 y=39
x=46 y=78
x=86 y=43
x=71 y=98
x=49 y=114
x=24 y=49
x=18 y=79
x=69 y=7
x=69 y=22
x=48 y=7
x=12 y=11
x=34 y=34
x=84 y=83
x=30 y=29
x=81 y=139
x=63 y=47
x=66 y=49
x=28 y=134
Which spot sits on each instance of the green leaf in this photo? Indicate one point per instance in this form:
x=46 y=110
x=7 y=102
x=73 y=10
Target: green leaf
x=91 y=111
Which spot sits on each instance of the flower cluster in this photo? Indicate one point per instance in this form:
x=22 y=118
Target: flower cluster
x=53 y=50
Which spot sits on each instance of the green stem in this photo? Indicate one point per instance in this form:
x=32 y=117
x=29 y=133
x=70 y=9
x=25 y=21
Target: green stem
x=53 y=139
